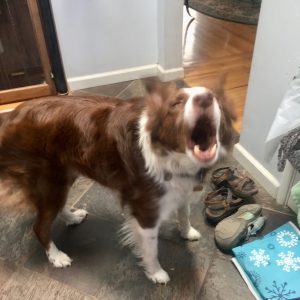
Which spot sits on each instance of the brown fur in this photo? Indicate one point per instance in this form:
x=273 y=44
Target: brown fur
x=44 y=143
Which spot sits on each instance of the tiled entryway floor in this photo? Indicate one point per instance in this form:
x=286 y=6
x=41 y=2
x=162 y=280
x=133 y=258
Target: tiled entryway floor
x=101 y=268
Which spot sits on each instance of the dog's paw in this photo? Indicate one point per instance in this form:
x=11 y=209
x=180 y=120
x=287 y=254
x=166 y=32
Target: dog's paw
x=59 y=259
x=192 y=234
x=77 y=217
x=161 y=276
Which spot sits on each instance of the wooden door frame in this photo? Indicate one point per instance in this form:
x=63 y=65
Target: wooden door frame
x=39 y=90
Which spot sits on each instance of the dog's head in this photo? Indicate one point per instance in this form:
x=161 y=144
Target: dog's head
x=194 y=121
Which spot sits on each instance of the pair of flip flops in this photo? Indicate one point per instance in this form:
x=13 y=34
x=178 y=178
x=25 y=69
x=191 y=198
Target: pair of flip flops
x=233 y=190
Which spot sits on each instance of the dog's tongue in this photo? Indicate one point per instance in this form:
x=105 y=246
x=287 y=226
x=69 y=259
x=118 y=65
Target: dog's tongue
x=207 y=154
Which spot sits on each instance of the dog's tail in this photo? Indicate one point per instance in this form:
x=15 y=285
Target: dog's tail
x=10 y=196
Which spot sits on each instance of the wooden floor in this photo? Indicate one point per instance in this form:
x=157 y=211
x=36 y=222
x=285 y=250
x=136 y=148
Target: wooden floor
x=213 y=47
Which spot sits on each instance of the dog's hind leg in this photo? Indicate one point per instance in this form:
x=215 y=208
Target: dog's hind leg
x=49 y=194
x=42 y=229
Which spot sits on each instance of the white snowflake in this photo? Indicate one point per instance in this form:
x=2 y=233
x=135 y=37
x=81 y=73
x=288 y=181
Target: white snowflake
x=287 y=239
x=260 y=258
x=288 y=261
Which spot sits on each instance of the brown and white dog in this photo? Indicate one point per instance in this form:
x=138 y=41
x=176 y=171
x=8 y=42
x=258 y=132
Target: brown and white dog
x=151 y=150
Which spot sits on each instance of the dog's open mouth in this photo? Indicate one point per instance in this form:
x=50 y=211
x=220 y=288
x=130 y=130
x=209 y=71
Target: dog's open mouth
x=205 y=155
x=202 y=140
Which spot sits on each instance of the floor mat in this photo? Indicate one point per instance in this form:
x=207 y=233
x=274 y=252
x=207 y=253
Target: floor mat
x=241 y=11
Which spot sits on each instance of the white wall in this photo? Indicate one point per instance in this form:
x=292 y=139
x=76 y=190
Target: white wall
x=104 y=41
x=276 y=60
x=170 y=18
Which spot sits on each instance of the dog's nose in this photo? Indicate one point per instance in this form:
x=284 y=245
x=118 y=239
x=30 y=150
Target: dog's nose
x=204 y=100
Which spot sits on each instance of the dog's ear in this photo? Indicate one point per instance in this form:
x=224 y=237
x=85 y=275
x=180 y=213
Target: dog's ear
x=218 y=87
x=155 y=86
x=158 y=95
x=152 y=84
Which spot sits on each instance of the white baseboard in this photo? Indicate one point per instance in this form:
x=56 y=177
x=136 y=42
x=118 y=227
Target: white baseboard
x=169 y=74
x=82 y=82
x=257 y=170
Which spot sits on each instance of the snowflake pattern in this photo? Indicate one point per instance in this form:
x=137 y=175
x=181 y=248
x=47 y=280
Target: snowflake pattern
x=259 y=258
x=255 y=277
x=241 y=255
x=288 y=261
x=279 y=291
x=271 y=246
x=287 y=239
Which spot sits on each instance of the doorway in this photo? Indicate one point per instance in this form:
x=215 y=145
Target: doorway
x=213 y=47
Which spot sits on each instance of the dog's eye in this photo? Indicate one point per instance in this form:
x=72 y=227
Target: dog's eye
x=176 y=103
x=179 y=100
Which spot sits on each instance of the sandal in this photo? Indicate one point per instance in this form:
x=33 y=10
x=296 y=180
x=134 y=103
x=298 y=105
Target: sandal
x=216 y=199
x=221 y=204
x=239 y=227
x=240 y=185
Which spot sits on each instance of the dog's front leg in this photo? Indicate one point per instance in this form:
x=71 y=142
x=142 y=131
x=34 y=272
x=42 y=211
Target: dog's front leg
x=149 y=243
x=144 y=243
x=186 y=230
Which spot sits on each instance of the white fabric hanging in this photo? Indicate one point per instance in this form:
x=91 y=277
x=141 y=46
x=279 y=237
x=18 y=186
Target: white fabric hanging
x=287 y=117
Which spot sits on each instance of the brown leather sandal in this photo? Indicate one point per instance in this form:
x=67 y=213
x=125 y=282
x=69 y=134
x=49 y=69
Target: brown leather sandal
x=221 y=204
x=240 y=185
x=218 y=198
x=216 y=216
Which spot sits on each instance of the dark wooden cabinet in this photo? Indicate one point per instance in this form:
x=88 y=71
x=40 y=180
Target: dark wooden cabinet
x=24 y=65
x=19 y=56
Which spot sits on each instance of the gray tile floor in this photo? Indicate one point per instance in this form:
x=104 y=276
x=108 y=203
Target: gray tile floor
x=101 y=268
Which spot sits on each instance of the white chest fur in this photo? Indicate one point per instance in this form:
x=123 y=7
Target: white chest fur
x=179 y=189
x=179 y=192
